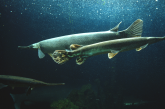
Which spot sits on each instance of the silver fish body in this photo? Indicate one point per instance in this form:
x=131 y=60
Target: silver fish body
x=17 y=81
x=64 y=42
x=112 y=47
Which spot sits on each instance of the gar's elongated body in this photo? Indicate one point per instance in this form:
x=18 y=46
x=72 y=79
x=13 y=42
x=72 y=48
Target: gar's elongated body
x=112 y=47
x=17 y=81
x=63 y=42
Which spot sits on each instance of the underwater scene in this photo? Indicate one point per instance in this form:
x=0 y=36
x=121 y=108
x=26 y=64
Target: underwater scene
x=82 y=54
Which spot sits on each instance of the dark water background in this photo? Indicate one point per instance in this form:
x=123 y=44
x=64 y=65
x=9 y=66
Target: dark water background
x=138 y=74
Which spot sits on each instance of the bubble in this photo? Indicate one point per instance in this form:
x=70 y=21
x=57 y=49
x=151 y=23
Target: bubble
x=25 y=8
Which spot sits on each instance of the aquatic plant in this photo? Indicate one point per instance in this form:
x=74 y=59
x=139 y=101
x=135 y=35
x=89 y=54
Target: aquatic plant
x=85 y=98
x=63 y=104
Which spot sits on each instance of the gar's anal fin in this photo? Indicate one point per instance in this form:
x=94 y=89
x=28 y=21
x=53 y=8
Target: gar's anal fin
x=111 y=55
x=142 y=47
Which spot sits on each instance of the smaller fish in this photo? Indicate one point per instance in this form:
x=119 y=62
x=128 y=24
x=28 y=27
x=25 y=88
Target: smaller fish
x=112 y=47
x=16 y=81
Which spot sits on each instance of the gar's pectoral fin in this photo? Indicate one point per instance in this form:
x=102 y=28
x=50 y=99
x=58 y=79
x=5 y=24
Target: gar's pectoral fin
x=142 y=47
x=80 y=60
x=40 y=54
x=60 y=56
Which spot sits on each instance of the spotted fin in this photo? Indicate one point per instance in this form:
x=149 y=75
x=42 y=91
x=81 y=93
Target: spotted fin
x=75 y=46
x=40 y=54
x=60 y=56
x=142 y=47
x=111 y=55
x=115 y=29
x=80 y=60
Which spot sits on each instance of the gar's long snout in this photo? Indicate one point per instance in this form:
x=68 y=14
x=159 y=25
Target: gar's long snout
x=26 y=47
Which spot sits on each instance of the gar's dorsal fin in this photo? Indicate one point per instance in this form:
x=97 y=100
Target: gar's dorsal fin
x=75 y=46
x=142 y=47
x=134 y=30
x=116 y=28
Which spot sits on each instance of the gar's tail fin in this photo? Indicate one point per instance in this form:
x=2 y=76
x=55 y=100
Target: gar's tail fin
x=134 y=30
x=60 y=56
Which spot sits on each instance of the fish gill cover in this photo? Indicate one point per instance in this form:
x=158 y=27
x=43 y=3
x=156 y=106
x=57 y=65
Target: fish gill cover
x=139 y=74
